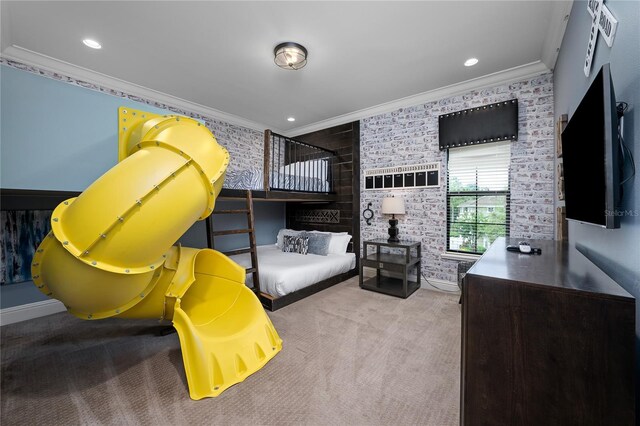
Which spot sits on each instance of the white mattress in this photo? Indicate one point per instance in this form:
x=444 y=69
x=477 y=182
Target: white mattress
x=283 y=273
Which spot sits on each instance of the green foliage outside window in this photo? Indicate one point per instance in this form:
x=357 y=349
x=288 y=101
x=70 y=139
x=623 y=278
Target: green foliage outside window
x=475 y=220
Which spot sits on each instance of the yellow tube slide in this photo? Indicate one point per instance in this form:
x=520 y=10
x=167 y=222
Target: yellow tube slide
x=110 y=252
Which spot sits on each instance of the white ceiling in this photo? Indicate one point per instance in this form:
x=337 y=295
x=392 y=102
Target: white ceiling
x=219 y=55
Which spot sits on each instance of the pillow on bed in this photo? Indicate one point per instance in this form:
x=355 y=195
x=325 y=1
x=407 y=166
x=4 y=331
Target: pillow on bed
x=319 y=243
x=295 y=244
x=282 y=233
x=339 y=244
x=327 y=233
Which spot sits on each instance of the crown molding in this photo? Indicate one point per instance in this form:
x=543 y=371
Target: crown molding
x=31 y=58
x=501 y=77
x=38 y=60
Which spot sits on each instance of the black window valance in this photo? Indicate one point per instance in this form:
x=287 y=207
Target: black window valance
x=478 y=125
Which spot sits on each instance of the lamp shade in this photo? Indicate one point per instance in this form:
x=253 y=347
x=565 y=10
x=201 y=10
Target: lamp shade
x=393 y=205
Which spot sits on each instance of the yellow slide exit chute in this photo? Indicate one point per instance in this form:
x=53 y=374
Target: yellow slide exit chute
x=110 y=252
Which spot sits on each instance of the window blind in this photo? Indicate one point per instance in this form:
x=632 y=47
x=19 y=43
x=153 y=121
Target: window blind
x=478 y=196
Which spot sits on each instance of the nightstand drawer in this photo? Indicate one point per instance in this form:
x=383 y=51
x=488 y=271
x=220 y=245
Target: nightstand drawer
x=387 y=266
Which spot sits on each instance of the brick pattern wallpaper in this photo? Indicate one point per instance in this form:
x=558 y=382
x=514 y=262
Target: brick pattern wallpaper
x=245 y=146
x=410 y=136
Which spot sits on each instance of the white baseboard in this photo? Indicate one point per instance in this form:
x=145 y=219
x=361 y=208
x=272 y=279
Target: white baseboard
x=30 y=311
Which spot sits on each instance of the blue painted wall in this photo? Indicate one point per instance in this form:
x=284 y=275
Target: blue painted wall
x=616 y=252
x=269 y=218
x=57 y=136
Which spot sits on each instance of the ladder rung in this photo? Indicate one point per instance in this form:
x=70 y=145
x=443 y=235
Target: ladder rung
x=233 y=231
x=252 y=237
x=231 y=211
x=239 y=251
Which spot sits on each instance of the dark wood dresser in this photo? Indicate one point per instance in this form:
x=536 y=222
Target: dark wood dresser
x=546 y=340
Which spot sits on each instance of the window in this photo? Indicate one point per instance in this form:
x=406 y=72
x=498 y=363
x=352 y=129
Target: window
x=477 y=196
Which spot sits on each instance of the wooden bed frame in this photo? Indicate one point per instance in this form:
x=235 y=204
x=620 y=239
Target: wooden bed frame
x=274 y=303
x=343 y=142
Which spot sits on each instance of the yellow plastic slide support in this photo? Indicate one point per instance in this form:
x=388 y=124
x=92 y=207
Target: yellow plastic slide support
x=110 y=252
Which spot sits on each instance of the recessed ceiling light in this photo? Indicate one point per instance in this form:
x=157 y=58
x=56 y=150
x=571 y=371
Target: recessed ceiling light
x=470 y=62
x=291 y=119
x=92 y=43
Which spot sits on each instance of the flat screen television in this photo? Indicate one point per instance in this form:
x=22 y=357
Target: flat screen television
x=591 y=156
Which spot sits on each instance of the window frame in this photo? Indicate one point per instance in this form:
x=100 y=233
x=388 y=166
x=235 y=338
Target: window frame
x=477 y=194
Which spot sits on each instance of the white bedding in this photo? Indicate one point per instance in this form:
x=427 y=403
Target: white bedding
x=283 y=273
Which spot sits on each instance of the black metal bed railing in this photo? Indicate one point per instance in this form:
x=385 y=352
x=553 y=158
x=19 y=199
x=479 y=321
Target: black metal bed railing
x=293 y=165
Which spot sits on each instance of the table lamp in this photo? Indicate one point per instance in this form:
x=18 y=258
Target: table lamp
x=393 y=206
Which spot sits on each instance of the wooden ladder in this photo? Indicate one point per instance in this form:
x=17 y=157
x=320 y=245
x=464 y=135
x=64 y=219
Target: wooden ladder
x=250 y=230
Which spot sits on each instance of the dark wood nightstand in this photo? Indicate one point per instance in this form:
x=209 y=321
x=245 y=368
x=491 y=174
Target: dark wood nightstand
x=396 y=267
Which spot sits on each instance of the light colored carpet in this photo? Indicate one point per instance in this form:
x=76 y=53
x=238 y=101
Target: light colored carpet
x=349 y=357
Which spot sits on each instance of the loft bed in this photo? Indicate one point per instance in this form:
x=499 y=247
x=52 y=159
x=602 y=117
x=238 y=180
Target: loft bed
x=292 y=170
x=321 y=193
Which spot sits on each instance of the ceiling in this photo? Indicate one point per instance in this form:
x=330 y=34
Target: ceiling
x=217 y=57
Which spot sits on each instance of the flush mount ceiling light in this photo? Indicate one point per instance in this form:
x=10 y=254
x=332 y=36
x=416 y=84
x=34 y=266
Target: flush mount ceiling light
x=470 y=62
x=92 y=43
x=291 y=119
x=290 y=56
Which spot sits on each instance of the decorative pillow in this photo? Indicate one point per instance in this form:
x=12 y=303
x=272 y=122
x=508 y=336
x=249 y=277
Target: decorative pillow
x=339 y=244
x=282 y=233
x=319 y=243
x=295 y=244
x=327 y=233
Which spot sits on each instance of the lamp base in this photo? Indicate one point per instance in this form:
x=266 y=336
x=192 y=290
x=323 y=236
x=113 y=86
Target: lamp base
x=393 y=231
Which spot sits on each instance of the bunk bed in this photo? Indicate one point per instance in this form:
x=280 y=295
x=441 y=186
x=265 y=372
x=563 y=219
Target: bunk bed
x=315 y=183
